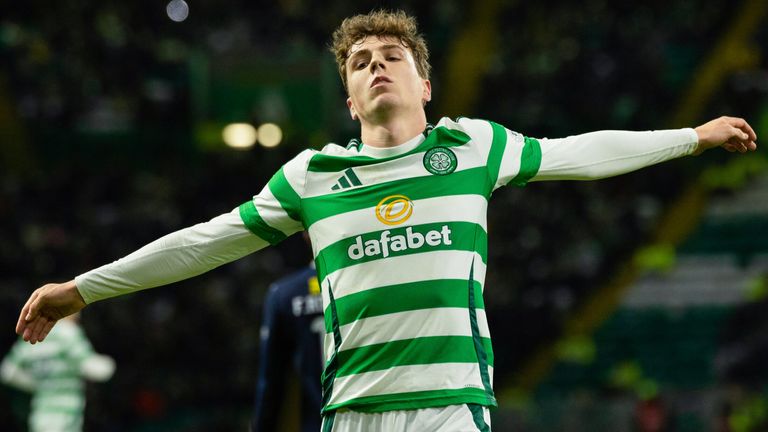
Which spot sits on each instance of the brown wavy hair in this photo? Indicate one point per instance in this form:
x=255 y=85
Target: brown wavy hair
x=396 y=24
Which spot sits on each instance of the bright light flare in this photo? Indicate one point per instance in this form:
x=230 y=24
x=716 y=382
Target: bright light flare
x=177 y=10
x=270 y=135
x=239 y=135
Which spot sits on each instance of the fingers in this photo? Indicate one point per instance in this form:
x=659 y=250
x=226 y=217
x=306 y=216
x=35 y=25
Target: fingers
x=742 y=124
x=34 y=307
x=29 y=333
x=36 y=329
x=21 y=324
x=737 y=145
x=732 y=133
x=42 y=327
x=47 y=329
x=743 y=137
x=32 y=326
x=740 y=134
x=744 y=132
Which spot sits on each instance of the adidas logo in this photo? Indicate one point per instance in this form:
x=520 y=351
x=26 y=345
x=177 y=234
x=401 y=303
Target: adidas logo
x=348 y=180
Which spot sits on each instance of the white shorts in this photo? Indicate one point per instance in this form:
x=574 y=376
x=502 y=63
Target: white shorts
x=452 y=418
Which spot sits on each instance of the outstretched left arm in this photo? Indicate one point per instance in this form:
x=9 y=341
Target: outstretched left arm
x=608 y=153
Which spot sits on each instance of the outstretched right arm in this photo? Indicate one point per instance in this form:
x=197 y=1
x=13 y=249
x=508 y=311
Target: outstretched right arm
x=268 y=218
x=174 y=257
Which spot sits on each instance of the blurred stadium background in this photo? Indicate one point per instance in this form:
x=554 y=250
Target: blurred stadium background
x=614 y=305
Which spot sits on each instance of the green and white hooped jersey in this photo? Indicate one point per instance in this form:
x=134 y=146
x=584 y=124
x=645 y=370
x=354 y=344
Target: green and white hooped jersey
x=399 y=237
x=58 y=399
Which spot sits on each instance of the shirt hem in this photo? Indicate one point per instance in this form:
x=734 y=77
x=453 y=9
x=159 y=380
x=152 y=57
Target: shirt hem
x=412 y=404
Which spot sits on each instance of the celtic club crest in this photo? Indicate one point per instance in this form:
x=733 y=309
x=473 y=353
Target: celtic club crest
x=440 y=161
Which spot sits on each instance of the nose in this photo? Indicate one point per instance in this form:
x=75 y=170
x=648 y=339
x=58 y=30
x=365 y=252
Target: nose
x=377 y=63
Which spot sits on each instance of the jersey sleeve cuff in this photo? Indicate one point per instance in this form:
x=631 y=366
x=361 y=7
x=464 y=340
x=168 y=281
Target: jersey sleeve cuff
x=693 y=138
x=81 y=284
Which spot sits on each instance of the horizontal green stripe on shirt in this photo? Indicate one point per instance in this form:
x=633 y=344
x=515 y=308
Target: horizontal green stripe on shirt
x=472 y=181
x=376 y=245
x=418 y=351
x=403 y=298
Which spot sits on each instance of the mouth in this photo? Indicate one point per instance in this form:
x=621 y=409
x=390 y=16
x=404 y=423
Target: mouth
x=379 y=80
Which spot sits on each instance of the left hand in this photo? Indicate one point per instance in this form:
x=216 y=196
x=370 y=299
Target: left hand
x=732 y=133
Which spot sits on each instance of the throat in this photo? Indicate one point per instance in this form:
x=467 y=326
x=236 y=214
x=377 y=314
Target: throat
x=392 y=133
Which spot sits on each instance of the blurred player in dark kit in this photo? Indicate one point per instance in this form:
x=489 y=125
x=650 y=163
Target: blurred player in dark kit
x=292 y=331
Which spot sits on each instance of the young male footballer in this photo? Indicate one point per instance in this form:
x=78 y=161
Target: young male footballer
x=397 y=221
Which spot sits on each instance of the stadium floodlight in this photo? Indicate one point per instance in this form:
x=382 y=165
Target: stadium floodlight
x=177 y=10
x=270 y=135
x=239 y=135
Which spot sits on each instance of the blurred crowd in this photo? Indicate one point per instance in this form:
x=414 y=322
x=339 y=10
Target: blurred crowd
x=98 y=157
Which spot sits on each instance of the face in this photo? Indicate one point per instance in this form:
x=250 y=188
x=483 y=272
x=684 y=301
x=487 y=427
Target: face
x=382 y=77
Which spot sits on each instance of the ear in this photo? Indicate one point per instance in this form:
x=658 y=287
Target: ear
x=426 y=95
x=351 y=108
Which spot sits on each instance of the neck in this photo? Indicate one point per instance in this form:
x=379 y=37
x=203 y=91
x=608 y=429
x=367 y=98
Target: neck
x=392 y=131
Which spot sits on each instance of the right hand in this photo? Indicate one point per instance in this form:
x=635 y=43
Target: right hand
x=45 y=306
